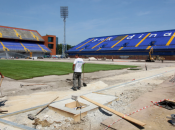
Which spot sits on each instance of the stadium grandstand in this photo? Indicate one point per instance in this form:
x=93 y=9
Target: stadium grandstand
x=131 y=46
x=21 y=43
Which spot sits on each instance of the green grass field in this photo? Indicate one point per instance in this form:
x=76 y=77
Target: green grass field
x=16 y=69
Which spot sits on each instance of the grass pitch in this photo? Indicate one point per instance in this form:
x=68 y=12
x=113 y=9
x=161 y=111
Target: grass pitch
x=17 y=69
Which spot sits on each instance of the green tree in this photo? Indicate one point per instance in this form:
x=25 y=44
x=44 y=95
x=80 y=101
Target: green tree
x=69 y=47
x=59 y=48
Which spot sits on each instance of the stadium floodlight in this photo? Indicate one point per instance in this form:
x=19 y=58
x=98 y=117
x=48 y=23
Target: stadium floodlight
x=64 y=15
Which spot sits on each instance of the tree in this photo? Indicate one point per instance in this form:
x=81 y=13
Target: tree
x=69 y=47
x=59 y=48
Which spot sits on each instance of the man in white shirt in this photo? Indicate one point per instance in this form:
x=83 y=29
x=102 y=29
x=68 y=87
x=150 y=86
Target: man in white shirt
x=77 y=68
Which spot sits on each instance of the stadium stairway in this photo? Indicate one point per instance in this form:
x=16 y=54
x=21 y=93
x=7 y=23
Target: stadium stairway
x=142 y=40
x=42 y=48
x=25 y=34
x=8 y=33
x=37 y=35
x=119 y=41
x=82 y=44
x=17 y=34
x=171 y=39
x=99 y=43
x=34 y=36
x=4 y=48
x=27 y=50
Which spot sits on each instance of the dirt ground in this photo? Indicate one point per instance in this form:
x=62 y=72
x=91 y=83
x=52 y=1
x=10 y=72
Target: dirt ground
x=155 y=117
x=132 y=96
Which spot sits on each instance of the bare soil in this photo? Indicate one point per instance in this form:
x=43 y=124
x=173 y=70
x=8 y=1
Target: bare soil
x=131 y=96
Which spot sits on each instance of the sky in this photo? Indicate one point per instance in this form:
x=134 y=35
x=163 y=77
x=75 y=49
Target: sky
x=88 y=18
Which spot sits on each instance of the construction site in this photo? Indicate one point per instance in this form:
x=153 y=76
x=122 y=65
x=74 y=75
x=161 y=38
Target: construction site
x=125 y=81
x=130 y=98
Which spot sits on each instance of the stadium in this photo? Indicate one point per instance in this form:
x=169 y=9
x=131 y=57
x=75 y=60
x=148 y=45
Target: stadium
x=130 y=46
x=122 y=79
x=24 y=43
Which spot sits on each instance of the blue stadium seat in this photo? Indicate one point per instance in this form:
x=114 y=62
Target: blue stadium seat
x=173 y=42
x=16 y=46
x=82 y=44
x=108 y=49
x=13 y=33
x=86 y=49
x=135 y=48
x=91 y=44
x=162 y=41
x=130 y=43
x=44 y=47
x=147 y=41
x=120 y=44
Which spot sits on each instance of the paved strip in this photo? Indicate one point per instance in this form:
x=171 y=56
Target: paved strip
x=23 y=127
x=131 y=82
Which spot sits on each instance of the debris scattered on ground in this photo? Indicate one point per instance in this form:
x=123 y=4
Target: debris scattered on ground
x=43 y=123
x=32 y=117
x=172 y=79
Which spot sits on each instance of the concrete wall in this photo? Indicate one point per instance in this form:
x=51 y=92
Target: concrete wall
x=10 y=54
x=136 y=57
x=2 y=54
x=37 y=54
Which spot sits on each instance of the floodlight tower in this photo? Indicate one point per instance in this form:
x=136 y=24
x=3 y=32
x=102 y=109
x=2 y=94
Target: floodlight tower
x=64 y=15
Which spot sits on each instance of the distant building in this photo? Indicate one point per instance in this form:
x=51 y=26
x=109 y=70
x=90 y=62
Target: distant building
x=50 y=42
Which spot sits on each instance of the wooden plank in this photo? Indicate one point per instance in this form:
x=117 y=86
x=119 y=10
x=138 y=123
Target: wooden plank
x=115 y=112
x=71 y=105
x=67 y=114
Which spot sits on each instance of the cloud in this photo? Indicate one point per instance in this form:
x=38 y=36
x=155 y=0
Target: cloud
x=143 y=13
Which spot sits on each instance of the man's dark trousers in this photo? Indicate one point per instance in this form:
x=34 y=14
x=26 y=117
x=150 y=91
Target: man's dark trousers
x=77 y=75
